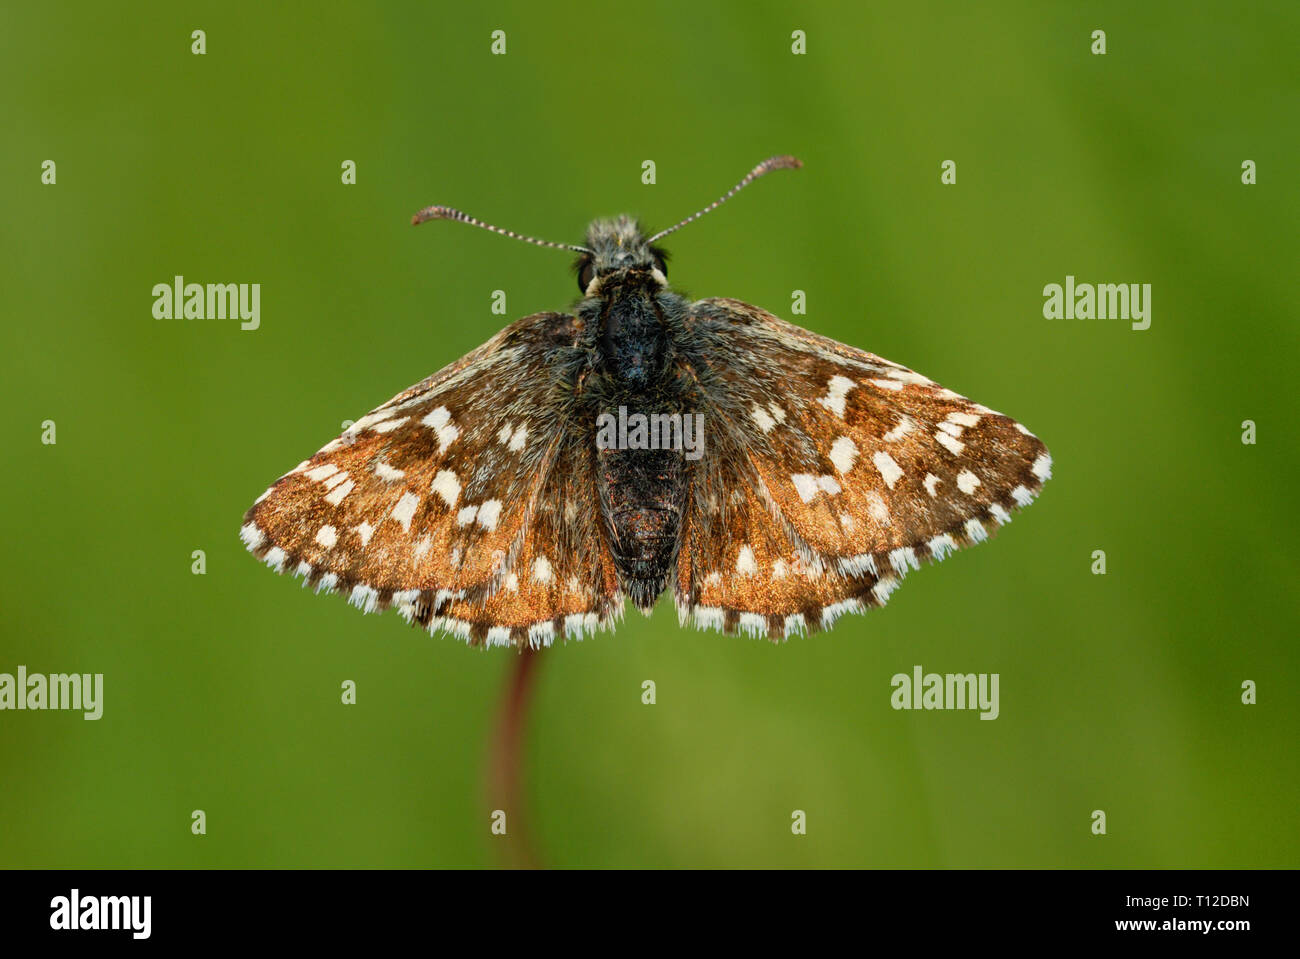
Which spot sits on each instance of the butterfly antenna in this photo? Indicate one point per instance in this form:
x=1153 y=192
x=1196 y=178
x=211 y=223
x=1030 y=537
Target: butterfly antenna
x=767 y=166
x=447 y=213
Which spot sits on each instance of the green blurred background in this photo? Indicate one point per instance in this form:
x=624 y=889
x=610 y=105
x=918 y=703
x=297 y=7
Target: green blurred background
x=1118 y=692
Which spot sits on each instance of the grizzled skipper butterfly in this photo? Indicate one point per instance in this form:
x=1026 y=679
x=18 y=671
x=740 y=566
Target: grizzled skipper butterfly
x=481 y=503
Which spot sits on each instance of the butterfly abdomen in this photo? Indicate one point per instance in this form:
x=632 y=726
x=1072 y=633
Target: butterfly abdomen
x=643 y=496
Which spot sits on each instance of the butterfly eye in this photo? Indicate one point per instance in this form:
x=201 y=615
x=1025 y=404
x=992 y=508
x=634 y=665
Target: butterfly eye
x=661 y=266
x=586 y=273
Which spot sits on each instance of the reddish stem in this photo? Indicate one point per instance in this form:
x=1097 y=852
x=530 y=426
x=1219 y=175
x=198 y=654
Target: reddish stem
x=506 y=769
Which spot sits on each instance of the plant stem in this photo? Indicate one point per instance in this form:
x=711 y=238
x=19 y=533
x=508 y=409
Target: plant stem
x=506 y=790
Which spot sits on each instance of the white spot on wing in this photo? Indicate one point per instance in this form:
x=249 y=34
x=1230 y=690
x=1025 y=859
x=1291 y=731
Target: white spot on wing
x=805 y=485
x=844 y=453
x=883 y=588
x=941 y=546
x=447 y=487
x=541 y=634
x=857 y=565
x=489 y=513
x=251 y=535
x=908 y=376
x=953 y=446
x=878 y=508
x=836 y=390
x=905 y=425
x=745 y=563
x=903 y=559
x=889 y=470
x=339 y=493
x=440 y=422
x=708 y=617
x=836 y=610
x=327 y=536
x=498 y=636
x=404 y=511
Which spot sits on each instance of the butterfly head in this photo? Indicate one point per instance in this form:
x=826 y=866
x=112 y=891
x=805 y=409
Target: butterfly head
x=617 y=248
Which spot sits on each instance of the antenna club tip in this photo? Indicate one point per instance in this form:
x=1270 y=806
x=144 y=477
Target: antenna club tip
x=431 y=213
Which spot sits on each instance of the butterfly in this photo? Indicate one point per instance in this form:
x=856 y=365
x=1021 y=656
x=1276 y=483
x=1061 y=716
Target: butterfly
x=482 y=501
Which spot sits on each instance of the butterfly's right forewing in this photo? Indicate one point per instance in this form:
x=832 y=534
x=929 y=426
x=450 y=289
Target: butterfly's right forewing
x=865 y=466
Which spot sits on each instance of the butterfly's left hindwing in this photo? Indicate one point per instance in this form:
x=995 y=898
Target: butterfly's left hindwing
x=867 y=468
x=561 y=581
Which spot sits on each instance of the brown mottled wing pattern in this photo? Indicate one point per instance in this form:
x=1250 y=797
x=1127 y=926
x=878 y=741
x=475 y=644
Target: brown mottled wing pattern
x=863 y=468
x=741 y=567
x=433 y=501
x=562 y=579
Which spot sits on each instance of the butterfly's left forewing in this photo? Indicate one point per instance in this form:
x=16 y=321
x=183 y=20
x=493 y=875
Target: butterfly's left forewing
x=431 y=501
x=866 y=466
